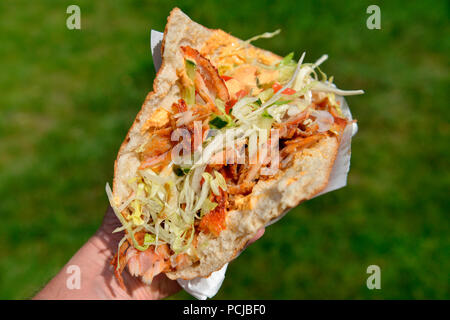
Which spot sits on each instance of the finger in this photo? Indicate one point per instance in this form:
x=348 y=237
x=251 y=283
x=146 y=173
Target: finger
x=110 y=221
x=258 y=235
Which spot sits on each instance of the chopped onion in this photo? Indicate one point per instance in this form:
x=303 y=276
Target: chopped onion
x=324 y=119
x=184 y=117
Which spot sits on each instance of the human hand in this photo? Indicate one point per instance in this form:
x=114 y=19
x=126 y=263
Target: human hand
x=97 y=277
x=161 y=286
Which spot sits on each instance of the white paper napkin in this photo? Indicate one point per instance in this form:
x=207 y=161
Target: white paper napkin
x=203 y=288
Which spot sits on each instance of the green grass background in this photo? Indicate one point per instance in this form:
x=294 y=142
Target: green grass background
x=67 y=99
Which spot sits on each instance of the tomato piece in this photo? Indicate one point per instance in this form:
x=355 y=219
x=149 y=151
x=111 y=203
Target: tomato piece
x=241 y=93
x=277 y=87
x=229 y=105
x=289 y=91
x=226 y=78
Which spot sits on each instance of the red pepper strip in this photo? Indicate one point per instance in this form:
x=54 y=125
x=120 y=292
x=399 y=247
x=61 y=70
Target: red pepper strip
x=226 y=78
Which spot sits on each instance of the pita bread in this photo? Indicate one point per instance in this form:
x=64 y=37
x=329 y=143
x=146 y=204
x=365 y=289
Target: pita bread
x=269 y=199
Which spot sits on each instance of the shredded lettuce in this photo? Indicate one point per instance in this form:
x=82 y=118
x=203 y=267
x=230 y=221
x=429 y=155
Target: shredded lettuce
x=137 y=213
x=207 y=207
x=265 y=95
x=265 y=35
x=266 y=114
x=149 y=239
x=188 y=93
x=220 y=180
x=286 y=68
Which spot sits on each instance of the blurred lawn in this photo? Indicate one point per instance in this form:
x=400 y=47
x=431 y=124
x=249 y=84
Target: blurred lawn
x=68 y=97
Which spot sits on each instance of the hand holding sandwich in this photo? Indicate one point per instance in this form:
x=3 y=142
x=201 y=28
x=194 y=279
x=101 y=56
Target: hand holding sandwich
x=97 y=280
x=184 y=209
